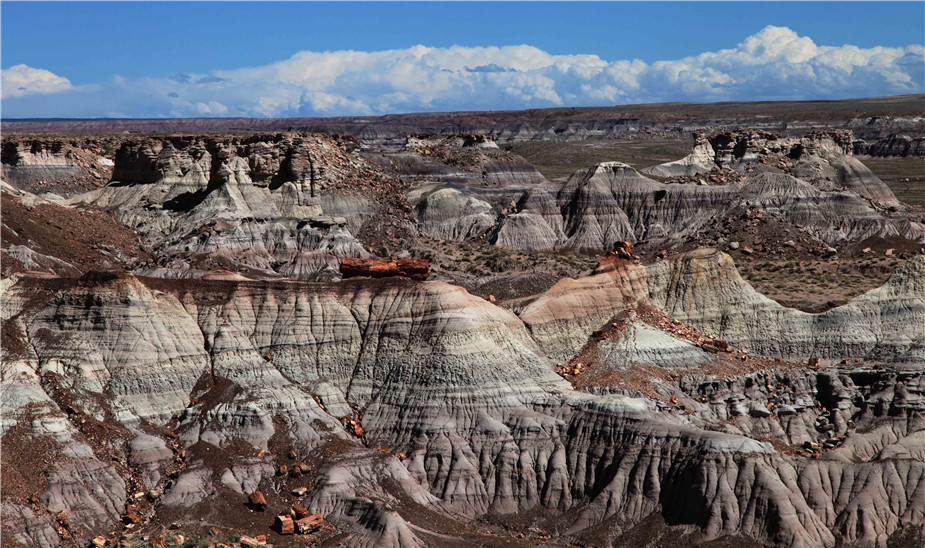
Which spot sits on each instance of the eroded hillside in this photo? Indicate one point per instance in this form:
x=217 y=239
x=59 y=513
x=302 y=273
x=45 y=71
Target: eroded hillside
x=608 y=359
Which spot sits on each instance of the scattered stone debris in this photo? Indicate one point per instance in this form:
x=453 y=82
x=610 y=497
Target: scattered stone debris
x=717 y=176
x=130 y=517
x=354 y=426
x=715 y=346
x=251 y=542
x=297 y=469
x=570 y=370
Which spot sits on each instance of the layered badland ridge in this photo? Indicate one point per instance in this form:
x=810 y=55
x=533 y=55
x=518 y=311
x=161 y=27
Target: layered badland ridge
x=195 y=392
x=292 y=205
x=603 y=401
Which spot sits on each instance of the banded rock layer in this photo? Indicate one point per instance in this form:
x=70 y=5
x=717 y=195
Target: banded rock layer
x=57 y=167
x=462 y=388
x=612 y=202
x=240 y=203
x=703 y=289
x=810 y=184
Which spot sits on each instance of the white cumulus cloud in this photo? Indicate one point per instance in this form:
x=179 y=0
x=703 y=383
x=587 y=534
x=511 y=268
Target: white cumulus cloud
x=22 y=80
x=773 y=64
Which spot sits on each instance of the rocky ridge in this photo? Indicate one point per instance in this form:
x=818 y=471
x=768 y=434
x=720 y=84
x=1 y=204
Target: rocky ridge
x=819 y=158
x=871 y=119
x=294 y=205
x=892 y=145
x=611 y=202
x=58 y=167
x=272 y=204
x=811 y=185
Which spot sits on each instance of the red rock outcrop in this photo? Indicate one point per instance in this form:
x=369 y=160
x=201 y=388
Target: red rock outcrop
x=415 y=269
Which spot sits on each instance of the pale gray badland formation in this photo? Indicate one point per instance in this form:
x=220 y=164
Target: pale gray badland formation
x=415 y=331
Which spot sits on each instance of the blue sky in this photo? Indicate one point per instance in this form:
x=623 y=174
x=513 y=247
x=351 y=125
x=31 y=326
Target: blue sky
x=288 y=59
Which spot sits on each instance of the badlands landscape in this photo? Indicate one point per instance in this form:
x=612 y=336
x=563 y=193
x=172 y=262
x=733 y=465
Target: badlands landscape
x=656 y=325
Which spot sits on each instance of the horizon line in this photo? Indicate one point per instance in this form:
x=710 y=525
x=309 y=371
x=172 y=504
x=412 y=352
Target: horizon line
x=452 y=112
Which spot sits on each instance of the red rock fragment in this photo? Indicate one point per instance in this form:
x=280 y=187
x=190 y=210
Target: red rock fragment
x=284 y=525
x=709 y=347
x=374 y=268
x=623 y=250
x=257 y=501
x=130 y=516
x=309 y=524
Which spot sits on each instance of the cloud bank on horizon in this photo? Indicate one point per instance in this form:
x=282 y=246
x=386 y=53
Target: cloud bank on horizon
x=774 y=64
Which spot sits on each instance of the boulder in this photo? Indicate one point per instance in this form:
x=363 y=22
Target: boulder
x=257 y=501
